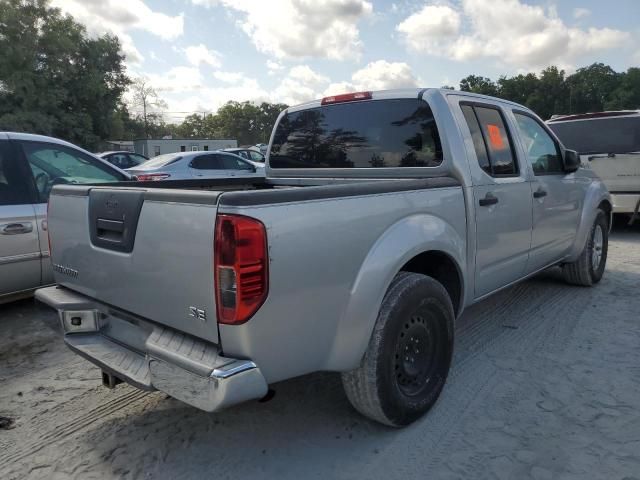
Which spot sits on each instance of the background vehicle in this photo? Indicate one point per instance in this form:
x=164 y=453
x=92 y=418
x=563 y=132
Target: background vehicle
x=608 y=143
x=186 y=165
x=262 y=147
x=383 y=215
x=30 y=165
x=123 y=159
x=247 y=154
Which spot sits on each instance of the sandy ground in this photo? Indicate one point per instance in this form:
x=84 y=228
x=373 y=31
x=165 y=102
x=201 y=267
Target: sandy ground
x=545 y=384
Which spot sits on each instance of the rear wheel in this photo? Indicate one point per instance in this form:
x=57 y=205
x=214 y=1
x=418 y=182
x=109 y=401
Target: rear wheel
x=408 y=358
x=589 y=267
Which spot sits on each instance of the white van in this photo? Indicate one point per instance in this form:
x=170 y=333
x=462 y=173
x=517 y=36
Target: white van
x=608 y=143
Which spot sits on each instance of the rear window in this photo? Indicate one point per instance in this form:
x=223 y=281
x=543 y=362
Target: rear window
x=161 y=160
x=372 y=134
x=600 y=135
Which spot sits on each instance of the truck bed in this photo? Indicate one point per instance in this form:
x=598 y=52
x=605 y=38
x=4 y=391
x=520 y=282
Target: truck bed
x=147 y=247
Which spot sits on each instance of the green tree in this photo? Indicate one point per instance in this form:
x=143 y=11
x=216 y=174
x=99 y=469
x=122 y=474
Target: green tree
x=590 y=87
x=627 y=94
x=55 y=79
x=477 y=84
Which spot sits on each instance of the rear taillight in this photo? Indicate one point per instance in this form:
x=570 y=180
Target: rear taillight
x=149 y=177
x=240 y=268
x=346 y=97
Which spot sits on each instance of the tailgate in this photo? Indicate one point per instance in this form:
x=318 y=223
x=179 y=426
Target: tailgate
x=145 y=251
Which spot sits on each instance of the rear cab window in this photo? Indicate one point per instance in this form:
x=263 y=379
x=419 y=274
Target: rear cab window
x=368 y=134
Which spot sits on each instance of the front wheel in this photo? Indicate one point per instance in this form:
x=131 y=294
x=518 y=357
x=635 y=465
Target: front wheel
x=407 y=361
x=588 y=269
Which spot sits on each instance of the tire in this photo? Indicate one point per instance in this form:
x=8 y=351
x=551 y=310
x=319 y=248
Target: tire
x=415 y=320
x=586 y=271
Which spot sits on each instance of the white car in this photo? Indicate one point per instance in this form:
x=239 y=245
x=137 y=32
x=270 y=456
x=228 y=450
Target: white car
x=609 y=144
x=189 y=165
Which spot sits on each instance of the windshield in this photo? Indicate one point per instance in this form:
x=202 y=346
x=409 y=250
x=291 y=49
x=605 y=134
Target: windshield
x=372 y=134
x=600 y=135
x=160 y=160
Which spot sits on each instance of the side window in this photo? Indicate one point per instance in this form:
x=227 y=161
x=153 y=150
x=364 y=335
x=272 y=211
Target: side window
x=136 y=159
x=52 y=164
x=256 y=157
x=14 y=187
x=120 y=160
x=232 y=163
x=478 y=140
x=542 y=150
x=206 y=162
x=496 y=139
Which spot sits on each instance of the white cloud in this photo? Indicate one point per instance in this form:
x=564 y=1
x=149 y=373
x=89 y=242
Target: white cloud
x=117 y=17
x=209 y=99
x=581 y=12
x=381 y=75
x=378 y=75
x=200 y=54
x=229 y=77
x=177 y=80
x=205 y=3
x=509 y=31
x=303 y=28
x=273 y=67
x=300 y=85
x=430 y=27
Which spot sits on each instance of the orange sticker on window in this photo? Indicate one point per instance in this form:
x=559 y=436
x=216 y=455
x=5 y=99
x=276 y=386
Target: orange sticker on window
x=494 y=137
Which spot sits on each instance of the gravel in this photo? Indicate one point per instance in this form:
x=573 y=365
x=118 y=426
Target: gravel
x=545 y=384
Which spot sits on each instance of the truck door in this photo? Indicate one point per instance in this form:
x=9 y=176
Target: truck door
x=557 y=199
x=502 y=199
x=19 y=245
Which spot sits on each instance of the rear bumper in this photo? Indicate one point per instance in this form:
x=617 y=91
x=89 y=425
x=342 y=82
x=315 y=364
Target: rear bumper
x=625 y=202
x=152 y=357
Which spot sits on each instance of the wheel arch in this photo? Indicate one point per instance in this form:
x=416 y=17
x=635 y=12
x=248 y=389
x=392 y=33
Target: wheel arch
x=420 y=243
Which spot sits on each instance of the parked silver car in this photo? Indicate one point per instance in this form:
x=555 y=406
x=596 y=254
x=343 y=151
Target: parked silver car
x=30 y=165
x=187 y=165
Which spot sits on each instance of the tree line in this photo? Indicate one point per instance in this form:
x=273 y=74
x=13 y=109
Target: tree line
x=594 y=88
x=57 y=80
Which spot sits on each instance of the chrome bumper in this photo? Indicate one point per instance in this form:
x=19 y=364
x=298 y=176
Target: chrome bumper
x=152 y=357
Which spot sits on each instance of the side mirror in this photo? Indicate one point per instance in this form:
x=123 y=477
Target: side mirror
x=570 y=160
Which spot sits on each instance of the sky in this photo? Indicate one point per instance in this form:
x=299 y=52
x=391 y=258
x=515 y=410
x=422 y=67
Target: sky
x=199 y=54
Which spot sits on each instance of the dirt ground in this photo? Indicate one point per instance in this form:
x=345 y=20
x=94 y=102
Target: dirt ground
x=545 y=384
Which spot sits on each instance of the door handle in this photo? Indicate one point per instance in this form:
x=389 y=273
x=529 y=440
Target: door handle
x=489 y=199
x=16 y=228
x=539 y=193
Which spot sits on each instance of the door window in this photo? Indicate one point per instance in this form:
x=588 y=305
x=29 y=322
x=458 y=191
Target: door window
x=207 y=162
x=255 y=156
x=14 y=189
x=53 y=164
x=120 y=160
x=542 y=150
x=231 y=162
x=135 y=159
x=496 y=143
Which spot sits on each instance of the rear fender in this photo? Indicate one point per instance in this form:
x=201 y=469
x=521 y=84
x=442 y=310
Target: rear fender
x=400 y=243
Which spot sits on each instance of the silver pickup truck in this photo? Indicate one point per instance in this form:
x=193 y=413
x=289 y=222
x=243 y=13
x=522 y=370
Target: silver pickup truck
x=383 y=215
